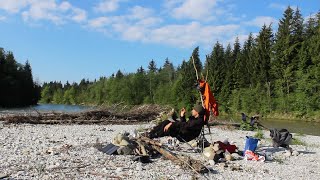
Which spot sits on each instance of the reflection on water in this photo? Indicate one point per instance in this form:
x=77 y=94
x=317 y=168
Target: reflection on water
x=47 y=108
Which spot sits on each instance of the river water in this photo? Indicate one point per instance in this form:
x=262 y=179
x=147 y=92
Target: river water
x=47 y=108
x=302 y=127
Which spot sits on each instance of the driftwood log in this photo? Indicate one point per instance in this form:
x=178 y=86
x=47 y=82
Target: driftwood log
x=183 y=161
x=102 y=116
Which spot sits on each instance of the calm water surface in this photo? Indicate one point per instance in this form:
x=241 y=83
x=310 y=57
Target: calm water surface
x=47 y=108
x=311 y=128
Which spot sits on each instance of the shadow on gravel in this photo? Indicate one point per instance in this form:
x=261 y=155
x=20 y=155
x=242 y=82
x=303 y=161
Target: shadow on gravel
x=306 y=152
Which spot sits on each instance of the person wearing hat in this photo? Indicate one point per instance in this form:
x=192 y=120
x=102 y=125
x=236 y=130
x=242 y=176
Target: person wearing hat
x=183 y=130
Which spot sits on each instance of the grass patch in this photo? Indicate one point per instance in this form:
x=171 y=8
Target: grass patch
x=297 y=141
x=259 y=134
x=246 y=126
x=300 y=134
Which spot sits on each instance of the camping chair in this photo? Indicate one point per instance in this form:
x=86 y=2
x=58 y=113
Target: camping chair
x=200 y=140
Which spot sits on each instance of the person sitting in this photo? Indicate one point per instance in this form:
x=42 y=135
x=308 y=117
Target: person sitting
x=183 y=130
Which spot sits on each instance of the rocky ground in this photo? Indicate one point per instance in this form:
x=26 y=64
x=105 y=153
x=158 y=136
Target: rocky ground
x=68 y=152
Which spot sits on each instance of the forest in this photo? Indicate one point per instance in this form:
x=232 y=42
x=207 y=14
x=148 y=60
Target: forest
x=271 y=72
x=16 y=81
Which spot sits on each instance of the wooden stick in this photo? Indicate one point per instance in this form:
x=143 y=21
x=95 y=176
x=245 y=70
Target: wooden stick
x=207 y=61
x=195 y=68
x=150 y=141
x=195 y=165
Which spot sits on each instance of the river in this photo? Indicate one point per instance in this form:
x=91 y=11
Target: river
x=47 y=108
x=302 y=127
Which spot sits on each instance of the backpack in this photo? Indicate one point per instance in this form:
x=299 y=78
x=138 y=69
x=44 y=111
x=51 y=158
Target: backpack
x=281 y=138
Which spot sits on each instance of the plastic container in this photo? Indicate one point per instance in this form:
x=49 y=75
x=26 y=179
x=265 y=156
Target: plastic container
x=251 y=144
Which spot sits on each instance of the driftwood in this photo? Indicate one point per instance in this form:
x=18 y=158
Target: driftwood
x=105 y=116
x=183 y=161
x=150 y=141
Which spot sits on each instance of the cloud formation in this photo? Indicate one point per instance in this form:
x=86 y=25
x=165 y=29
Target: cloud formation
x=50 y=10
x=261 y=20
x=107 y=6
x=3 y=18
x=193 y=9
x=277 y=6
x=13 y=6
x=143 y=25
x=183 y=23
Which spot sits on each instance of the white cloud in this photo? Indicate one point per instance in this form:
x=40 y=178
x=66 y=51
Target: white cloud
x=191 y=34
x=142 y=25
x=65 y=6
x=99 y=22
x=3 y=18
x=50 y=10
x=170 y=4
x=185 y=35
x=138 y=12
x=150 y=21
x=13 y=6
x=307 y=18
x=79 y=15
x=195 y=9
x=107 y=6
x=277 y=6
x=261 y=20
x=42 y=10
x=137 y=16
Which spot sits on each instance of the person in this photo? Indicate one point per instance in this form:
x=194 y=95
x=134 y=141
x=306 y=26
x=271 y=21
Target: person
x=183 y=130
x=280 y=138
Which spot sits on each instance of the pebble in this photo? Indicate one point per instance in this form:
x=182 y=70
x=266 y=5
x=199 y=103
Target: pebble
x=295 y=153
x=83 y=158
x=119 y=170
x=139 y=168
x=287 y=153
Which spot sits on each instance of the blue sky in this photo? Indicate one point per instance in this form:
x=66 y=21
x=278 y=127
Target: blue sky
x=75 y=39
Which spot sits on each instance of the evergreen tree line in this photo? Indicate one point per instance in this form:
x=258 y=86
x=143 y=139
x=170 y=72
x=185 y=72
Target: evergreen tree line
x=273 y=72
x=17 y=87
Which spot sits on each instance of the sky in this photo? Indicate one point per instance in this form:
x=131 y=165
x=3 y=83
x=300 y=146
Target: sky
x=76 y=39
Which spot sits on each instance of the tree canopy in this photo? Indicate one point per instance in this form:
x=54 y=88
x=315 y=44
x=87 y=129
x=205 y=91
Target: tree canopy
x=272 y=72
x=16 y=82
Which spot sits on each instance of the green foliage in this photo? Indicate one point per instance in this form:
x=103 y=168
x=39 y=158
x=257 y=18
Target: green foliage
x=259 y=134
x=271 y=73
x=297 y=141
x=245 y=126
x=16 y=82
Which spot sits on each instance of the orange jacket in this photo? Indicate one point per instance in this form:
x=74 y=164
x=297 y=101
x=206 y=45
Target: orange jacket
x=209 y=101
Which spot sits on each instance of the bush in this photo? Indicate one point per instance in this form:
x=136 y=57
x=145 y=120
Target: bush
x=259 y=134
x=246 y=126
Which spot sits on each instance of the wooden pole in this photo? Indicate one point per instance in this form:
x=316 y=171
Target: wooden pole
x=195 y=68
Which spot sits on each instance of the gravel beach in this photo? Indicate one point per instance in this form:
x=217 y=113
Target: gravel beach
x=68 y=152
